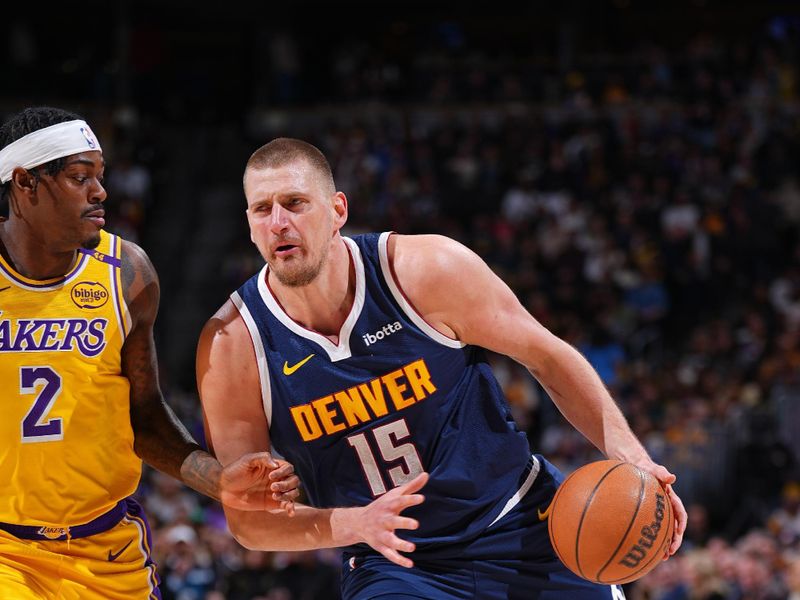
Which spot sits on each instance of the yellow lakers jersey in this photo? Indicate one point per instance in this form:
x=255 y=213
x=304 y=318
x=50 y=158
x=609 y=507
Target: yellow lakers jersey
x=66 y=442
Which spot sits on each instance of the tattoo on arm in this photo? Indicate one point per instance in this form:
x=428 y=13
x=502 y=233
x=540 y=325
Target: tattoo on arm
x=128 y=272
x=138 y=277
x=201 y=471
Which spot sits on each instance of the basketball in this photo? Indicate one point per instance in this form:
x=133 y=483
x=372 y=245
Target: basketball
x=610 y=522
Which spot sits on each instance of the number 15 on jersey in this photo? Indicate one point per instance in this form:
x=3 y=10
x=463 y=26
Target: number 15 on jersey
x=391 y=447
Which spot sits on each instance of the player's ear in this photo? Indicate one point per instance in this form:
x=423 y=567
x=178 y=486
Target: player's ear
x=23 y=181
x=340 y=209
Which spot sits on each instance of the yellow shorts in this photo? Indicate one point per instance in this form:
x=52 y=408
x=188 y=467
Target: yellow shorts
x=111 y=565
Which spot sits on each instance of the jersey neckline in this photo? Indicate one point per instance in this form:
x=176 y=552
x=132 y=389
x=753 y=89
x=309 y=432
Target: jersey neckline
x=340 y=350
x=42 y=285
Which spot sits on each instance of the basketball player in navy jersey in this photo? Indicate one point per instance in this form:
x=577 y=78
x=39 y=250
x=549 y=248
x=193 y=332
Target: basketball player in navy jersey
x=360 y=360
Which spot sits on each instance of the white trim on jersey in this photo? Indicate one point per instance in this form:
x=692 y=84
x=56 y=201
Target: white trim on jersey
x=520 y=493
x=15 y=278
x=120 y=306
x=336 y=352
x=261 y=356
x=128 y=320
x=405 y=305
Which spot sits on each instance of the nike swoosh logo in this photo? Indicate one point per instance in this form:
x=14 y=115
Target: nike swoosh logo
x=112 y=557
x=5 y=288
x=287 y=370
x=543 y=515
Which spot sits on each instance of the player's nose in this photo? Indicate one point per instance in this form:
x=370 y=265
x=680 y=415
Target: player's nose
x=98 y=192
x=278 y=218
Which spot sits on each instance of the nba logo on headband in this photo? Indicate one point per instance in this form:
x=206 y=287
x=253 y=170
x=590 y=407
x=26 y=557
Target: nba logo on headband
x=87 y=133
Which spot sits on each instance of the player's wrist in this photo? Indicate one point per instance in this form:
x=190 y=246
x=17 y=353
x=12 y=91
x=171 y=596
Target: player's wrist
x=202 y=472
x=632 y=452
x=345 y=526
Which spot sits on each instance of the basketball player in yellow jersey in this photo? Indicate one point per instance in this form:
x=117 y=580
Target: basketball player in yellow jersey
x=79 y=393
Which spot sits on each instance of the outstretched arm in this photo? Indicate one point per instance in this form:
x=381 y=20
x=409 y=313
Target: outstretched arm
x=460 y=295
x=160 y=439
x=230 y=391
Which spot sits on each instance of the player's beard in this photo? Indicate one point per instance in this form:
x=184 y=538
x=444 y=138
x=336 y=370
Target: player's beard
x=91 y=243
x=301 y=274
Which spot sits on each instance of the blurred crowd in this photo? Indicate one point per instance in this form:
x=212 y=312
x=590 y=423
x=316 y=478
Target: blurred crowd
x=649 y=215
x=645 y=207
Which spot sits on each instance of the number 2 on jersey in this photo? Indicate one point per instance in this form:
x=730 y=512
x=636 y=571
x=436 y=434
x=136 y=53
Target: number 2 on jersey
x=34 y=426
x=387 y=439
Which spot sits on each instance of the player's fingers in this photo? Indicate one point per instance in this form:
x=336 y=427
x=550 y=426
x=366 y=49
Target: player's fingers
x=397 y=558
x=398 y=505
x=260 y=460
x=288 y=506
x=285 y=485
x=283 y=471
x=289 y=496
x=680 y=511
x=681 y=519
x=414 y=485
x=661 y=473
x=404 y=523
x=677 y=540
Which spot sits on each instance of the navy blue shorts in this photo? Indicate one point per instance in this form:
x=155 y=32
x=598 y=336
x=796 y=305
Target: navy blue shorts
x=511 y=560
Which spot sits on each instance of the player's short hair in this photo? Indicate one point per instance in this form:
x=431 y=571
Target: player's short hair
x=30 y=120
x=283 y=151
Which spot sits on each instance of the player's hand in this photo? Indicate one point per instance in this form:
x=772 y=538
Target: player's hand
x=667 y=479
x=376 y=522
x=681 y=519
x=258 y=481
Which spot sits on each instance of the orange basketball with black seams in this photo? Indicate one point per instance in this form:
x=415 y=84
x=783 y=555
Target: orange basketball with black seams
x=611 y=522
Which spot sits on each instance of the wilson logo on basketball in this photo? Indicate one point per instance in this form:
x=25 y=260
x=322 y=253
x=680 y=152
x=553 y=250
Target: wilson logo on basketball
x=89 y=294
x=649 y=533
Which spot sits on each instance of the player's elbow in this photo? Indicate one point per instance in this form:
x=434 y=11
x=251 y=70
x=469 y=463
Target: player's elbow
x=244 y=534
x=246 y=541
x=253 y=530
x=546 y=353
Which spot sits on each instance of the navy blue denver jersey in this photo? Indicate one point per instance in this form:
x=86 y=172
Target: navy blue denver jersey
x=394 y=397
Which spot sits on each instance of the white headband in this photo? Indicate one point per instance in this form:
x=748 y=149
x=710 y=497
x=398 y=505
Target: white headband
x=44 y=145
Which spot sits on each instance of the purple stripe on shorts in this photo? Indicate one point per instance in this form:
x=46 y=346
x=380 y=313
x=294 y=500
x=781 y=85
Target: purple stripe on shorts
x=45 y=532
x=136 y=511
